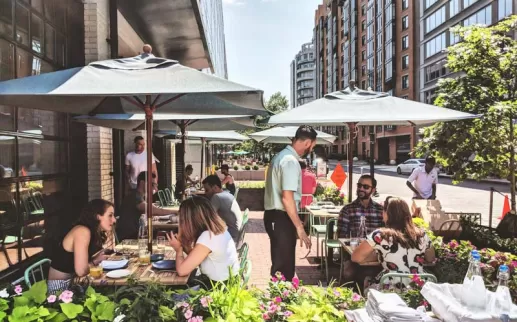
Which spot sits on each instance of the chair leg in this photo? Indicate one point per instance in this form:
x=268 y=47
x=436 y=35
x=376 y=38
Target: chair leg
x=317 y=244
x=340 y=264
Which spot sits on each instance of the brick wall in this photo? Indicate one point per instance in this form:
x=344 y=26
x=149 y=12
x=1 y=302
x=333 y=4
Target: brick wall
x=99 y=139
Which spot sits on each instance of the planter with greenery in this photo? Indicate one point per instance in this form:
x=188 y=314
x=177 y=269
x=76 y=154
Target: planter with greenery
x=247 y=168
x=255 y=167
x=235 y=167
x=330 y=194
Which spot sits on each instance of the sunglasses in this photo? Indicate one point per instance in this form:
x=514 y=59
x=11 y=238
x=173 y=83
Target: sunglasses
x=363 y=186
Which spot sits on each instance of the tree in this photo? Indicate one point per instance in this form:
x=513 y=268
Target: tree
x=277 y=103
x=486 y=60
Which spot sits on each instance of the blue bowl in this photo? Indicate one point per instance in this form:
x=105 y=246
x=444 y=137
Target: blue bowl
x=156 y=257
x=167 y=264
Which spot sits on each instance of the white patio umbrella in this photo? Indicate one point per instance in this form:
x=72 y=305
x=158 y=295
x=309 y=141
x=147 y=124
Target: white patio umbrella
x=285 y=134
x=355 y=107
x=138 y=85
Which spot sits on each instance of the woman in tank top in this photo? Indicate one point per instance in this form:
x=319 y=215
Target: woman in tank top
x=81 y=246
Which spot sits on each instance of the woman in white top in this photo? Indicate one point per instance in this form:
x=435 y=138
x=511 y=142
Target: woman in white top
x=203 y=235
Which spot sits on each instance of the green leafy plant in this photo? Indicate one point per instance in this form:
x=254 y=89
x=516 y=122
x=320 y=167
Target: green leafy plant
x=235 y=167
x=255 y=167
x=247 y=167
x=331 y=194
x=252 y=184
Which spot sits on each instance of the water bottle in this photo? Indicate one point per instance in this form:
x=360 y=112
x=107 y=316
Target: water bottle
x=362 y=228
x=473 y=290
x=501 y=302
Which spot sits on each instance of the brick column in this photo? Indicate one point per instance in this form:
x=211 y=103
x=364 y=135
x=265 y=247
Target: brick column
x=99 y=139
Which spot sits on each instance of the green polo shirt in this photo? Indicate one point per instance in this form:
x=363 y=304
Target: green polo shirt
x=284 y=174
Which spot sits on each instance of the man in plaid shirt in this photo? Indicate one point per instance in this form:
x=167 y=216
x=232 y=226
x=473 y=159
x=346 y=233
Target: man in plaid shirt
x=350 y=216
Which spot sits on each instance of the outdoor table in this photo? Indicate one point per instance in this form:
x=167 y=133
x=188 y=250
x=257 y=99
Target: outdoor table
x=144 y=273
x=345 y=242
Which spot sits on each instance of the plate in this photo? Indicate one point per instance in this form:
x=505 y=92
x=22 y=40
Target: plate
x=156 y=257
x=167 y=264
x=334 y=211
x=119 y=273
x=314 y=208
x=111 y=265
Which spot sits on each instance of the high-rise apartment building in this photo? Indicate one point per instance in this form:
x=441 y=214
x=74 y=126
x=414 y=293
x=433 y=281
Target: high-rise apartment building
x=436 y=19
x=373 y=43
x=302 y=76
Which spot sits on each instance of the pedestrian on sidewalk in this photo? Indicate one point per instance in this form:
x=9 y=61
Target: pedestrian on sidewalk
x=282 y=197
x=424 y=179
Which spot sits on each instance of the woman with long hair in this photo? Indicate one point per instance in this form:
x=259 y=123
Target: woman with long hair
x=203 y=235
x=82 y=245
x=227 y=181
x=401 y=246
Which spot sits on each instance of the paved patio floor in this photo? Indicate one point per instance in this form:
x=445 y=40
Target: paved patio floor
x=259 y=253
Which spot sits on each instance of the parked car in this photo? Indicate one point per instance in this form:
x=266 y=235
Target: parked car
x=410 y=165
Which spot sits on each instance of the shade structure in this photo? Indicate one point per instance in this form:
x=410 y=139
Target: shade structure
x=138 y=85
x=366 y=108
x=170 y=122
x=285 y=134
x=355 y=107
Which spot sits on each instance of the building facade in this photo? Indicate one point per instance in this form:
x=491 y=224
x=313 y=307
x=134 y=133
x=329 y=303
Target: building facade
x=302 y=76
x=51 y=166
x=374 y=44
x=436 y=19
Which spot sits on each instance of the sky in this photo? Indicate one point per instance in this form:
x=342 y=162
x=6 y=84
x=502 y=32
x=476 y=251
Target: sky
x=262 y=38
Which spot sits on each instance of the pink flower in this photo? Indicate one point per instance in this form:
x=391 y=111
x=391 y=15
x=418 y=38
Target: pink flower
x=274 y=279
x=424 y=303
x=278 y=299
x=416 y=279
x=356 y=297
x=262 y=307
x=513 y=264
x=336 y=293
x=288 y=314
x=51 y=299
x=273 y=308
x=265 y=316
x=453 y=244
x=196 y=319
x=205 y=300
x=296 y=282
x=282 y=278
x=18 y=289
x=285 y=293
x=188 y=314
x=66 y=296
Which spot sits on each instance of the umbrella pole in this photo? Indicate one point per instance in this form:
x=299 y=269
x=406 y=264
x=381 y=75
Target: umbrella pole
x=182 y=129
x=202 y=158
x=351 y=130
x=148 y=109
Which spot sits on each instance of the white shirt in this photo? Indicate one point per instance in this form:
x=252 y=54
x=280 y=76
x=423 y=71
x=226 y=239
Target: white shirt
x=138 y=163
x=223 y=255
x=423 y=181
x=284 y=174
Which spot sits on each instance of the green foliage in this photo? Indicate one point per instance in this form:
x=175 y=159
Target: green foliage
x=252 y=185
x=487 y=59
x=255 y=167
x=332 y=194
x=247 y=167
x=235 y=167
x=277 y=103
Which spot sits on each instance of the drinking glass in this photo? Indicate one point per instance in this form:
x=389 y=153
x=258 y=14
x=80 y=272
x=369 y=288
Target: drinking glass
x=144 y=257
x=142 y=244
x=160 y=245
x=96 y=271
x=354 y=241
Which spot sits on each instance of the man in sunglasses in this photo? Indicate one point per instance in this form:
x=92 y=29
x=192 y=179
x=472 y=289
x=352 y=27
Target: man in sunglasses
x=350 y=216
x=282 y=196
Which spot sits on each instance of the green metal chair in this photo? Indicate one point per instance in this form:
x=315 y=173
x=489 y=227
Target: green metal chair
x=243 y=254
x=316 y=230
x=242 y=231
x=333 y=244
x=245 y=217
x=404 y=279
x=246 y=272
x=236 y=193
x=34 y=270
x=169 y=196
x=161 y=197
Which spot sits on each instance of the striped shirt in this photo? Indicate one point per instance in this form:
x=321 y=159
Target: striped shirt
x=350 y=218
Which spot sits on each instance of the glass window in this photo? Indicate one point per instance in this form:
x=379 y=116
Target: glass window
x=405 y=81
x=363 y=25
x=7 y=207
x=6 y=18
x=29 y=65
x=50 y=41
x=405 y=22
x=38 y=5
x=504 y=9
x=6 y=60
x=6 y=118
x=454 y=8
x=49 y=9
x=405 y=42
x=7 y=144
x=436 y=19
x=435 y=45
x=41 y=122
x=389 y=71
x=429 y=3
x=482 y=17
x=60 y=49
x=39 y=157
x=404 y=4
x=468 y=3
x=405 y=61
x=22 y=24
x=37 y=34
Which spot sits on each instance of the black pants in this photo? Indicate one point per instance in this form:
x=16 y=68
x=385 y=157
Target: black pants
x=282 y=233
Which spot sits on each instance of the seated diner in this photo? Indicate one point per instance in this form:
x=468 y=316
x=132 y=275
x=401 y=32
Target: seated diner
x=204 y=237
x=401 y=246
x=227 y=180
x=82 y=245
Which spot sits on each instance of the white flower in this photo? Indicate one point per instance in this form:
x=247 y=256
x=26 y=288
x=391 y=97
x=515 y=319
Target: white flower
x=119 y=318
x=4 y=294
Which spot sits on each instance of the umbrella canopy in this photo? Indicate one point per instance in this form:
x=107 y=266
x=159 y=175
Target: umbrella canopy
x=284 y=135
x=366 y=108
x=99 y=87
x=138 y=85
x=170 y=122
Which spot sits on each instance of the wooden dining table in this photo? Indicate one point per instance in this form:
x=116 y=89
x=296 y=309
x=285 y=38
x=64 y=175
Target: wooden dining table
x=142 y=273
x=372 y=260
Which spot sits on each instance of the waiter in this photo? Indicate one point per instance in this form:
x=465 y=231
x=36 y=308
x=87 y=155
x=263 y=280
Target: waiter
x=282 y=197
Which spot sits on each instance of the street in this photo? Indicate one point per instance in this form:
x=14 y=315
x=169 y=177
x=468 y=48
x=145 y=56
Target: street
x=469 y=196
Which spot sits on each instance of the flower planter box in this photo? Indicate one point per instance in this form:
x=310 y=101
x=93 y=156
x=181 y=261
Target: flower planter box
x=251 y=198
x=247 y=175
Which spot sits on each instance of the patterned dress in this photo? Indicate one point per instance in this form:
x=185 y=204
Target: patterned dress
x=395 y=258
